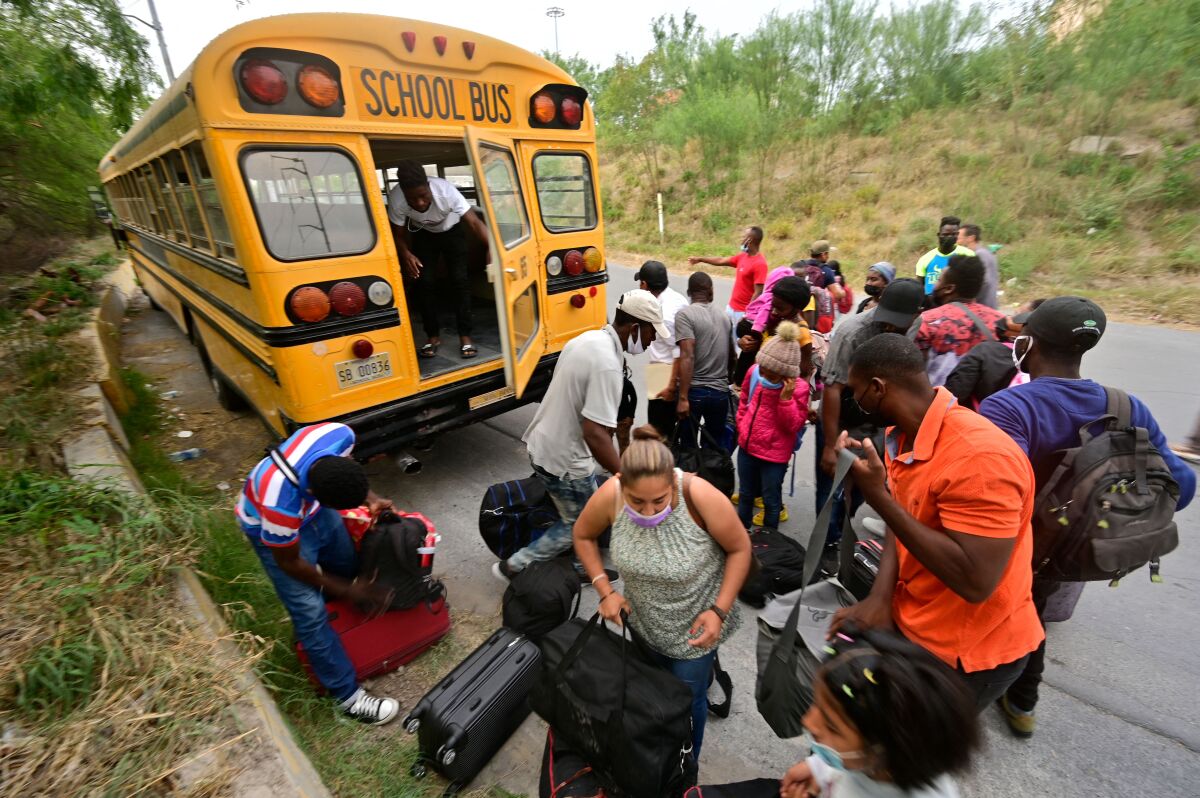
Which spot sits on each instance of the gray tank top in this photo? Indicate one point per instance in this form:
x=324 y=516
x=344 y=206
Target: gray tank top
x=672 y=573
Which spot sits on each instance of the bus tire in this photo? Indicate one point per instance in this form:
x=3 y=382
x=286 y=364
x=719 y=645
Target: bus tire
x=227 y=397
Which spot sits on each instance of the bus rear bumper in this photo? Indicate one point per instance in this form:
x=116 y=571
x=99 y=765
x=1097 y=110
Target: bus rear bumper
x=384 y=429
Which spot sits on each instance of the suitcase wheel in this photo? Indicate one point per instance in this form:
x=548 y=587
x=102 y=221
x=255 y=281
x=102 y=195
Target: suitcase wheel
x=412 y=724
x=446 y=757
x=417 y=771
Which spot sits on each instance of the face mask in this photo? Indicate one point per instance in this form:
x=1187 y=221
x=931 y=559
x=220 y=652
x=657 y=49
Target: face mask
x=872 y=290
x=830 y=756
x=634 y=345
x=764 y=382
x=648 y=521
x=745 y=247
x=1018 y=360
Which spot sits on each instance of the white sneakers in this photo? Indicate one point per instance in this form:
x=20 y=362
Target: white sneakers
x=363 y=706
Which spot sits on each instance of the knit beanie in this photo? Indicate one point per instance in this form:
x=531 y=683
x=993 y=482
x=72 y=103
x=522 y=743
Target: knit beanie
x=781 y=354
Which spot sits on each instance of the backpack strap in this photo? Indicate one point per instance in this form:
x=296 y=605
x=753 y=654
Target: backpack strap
x=980 y=324
x=285 y=468
x=1120 y=408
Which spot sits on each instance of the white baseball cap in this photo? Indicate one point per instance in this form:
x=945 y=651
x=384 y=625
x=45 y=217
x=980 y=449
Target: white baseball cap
x=644 y=306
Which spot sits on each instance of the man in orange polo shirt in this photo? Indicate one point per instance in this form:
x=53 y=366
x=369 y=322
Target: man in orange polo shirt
x=956 y=570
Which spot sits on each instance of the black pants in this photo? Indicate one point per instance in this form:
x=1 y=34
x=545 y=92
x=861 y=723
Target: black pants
x=1023 y=694
x=989 y=685
x=452 y=247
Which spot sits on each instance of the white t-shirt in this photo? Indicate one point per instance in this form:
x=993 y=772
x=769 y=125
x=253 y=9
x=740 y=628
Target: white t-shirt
x=665 y=351
x=448 y=206
x=587 y=384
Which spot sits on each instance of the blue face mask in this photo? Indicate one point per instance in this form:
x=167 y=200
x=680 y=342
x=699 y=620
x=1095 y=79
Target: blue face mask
x=830 y=756
x=764 y=382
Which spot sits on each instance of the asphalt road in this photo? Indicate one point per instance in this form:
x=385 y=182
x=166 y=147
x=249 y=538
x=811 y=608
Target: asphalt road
x=1120 y=712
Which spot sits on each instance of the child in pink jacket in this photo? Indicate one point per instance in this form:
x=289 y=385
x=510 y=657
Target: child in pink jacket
x=771 y=413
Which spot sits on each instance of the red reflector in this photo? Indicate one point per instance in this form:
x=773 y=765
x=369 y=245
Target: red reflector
x=439 y=44
x=347 y=298
x=310 y=304
x=469 y=50
x=573 y=262
x=592 y=291
x=572 y=111
x=577 y=300
x=263 y=81
x=410 y=40
x=362 y=348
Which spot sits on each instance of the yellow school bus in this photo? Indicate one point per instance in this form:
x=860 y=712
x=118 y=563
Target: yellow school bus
x=254 y=197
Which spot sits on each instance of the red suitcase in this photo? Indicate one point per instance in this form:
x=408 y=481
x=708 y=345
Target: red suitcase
x=382 y=644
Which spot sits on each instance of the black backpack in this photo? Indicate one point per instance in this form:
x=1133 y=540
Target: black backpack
x=541 y=597
x=714 y=465
x=395 y=556
x=514 y=514
x=1108 y=507
x=780 y=561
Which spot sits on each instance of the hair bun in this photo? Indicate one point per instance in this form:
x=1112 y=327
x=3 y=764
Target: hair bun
x=646 y=432
x=788 y=331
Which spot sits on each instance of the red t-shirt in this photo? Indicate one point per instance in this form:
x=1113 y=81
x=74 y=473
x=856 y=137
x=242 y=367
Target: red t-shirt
x=751 y=271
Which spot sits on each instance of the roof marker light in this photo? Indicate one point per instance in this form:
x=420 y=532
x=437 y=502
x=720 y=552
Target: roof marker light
x=469 y=50
x=410 y=40
x=439 y=44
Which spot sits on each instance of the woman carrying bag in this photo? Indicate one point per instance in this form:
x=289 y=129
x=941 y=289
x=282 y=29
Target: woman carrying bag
x=683 y=554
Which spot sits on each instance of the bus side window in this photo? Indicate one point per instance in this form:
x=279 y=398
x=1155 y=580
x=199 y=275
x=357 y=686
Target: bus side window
x=189 y=204
x=211 y=202
x=166 y=195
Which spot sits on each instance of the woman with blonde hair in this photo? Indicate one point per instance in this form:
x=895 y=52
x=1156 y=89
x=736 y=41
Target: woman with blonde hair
x=683 y=554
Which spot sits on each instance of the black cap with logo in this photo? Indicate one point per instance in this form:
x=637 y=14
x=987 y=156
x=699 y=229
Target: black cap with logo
x=1065 y=322
x=654 y=274
x=900 y=303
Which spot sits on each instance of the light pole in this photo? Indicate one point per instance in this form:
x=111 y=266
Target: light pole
x=555 y=12
x=156 y=26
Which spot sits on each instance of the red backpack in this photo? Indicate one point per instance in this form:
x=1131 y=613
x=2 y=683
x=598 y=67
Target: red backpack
x=846 y=303
x=824 y=310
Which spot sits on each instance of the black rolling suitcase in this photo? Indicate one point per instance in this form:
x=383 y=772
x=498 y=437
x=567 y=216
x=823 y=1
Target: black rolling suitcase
x=864 y=567
x=471 y=713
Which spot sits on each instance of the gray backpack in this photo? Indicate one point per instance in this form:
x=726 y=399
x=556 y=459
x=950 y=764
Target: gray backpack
x=1108 y=507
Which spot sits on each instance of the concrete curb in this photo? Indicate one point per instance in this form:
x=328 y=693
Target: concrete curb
x=98 y=455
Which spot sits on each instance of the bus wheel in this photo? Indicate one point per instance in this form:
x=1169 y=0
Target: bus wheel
x=227 y=397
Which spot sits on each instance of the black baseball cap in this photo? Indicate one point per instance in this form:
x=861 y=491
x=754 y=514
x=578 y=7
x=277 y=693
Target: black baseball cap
x=1065 y=322
x=900 y=303
x=653 y=273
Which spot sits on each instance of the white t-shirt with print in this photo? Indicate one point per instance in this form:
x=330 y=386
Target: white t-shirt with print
x=665 y=351
x=447 y=207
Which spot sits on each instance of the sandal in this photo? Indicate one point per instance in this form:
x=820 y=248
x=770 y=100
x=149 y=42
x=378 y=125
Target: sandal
x=469 y=351
x=428 y=351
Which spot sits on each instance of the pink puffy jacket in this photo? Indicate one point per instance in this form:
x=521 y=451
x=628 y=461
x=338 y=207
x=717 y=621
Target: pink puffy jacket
x=767 y=428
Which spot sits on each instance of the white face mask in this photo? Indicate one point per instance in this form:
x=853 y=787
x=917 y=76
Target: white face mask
x=634 y=345
x=1018 y=360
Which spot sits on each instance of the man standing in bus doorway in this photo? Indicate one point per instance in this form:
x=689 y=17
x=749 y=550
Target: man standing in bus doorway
x=431 y=217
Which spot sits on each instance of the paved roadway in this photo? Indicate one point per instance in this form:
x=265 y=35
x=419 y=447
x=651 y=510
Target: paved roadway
x=1120 y=711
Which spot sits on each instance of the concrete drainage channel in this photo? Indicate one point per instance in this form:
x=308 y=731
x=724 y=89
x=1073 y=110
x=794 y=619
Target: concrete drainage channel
x=98 y=455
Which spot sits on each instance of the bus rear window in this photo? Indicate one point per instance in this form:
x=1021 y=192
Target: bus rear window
x=566 y=196
x=309 y=203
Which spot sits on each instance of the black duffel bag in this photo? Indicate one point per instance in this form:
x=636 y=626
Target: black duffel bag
x=541 y=597
x=630 y=719
x=713 y=465
x=514 y=514
x=781 y=567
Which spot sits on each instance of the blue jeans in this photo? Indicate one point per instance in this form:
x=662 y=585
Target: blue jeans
x=824 y=485
x=569 y=497
x=759 y=478
x=710 y=407
x=324 y=542
x=695 y=673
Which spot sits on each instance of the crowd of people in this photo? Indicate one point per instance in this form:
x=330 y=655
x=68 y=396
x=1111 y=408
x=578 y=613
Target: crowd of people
x=953 y=408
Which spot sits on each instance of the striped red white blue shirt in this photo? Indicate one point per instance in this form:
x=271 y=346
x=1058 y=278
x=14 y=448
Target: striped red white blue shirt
x=270 y=507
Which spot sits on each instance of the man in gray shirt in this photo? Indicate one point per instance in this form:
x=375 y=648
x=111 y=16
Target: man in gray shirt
x=704 y=336
x=969 y=235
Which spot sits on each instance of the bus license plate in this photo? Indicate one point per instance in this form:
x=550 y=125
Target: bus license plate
x=356 y=372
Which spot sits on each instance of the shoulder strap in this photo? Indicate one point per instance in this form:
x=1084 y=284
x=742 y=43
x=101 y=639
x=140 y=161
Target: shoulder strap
x=1119 y=407
x=980 y=324
x=285 y=468
x=755 y=379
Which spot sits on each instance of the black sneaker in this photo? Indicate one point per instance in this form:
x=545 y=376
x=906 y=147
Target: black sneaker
x=612 y=575
x=831 y=558
x=502 y=571
x=375 y=710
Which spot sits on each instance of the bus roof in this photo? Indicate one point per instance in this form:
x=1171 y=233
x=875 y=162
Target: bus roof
x=361 y=45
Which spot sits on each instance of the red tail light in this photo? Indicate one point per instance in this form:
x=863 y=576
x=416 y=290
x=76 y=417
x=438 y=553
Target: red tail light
x=572 y=111
x=573 y=262
x=310 y=304
x=578 y=301
x=318 y=88
x=348 y=299
x=263 y=81
x=362 y=348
